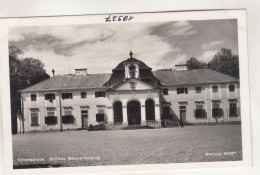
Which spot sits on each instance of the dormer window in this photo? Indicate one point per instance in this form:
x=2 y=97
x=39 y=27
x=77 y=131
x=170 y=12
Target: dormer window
x=231 y=88
x=132 y=70
x=33 y=97
x=131 y=67
x=50 y=97
x=215 y=88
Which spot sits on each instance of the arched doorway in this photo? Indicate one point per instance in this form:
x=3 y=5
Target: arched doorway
x=134 y=113
x=118 y=114
x=149 y=109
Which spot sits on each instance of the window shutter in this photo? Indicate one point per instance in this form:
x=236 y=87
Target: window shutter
x=186 y=90
x=100 y=117
x=204 y=114
x=55 y=120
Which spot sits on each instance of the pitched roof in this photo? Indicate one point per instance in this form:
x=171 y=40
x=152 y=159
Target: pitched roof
x=166 y=77
x=71 y=82
x=196 y=76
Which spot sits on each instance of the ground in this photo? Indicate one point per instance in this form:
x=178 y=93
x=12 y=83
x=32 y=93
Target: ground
x=124 y=147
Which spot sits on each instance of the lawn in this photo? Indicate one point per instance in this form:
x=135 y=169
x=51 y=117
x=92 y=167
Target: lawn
x=124 y=147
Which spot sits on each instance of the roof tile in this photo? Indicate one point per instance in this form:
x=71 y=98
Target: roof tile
x=98 y=80
x=71 y=82
x=192 y=77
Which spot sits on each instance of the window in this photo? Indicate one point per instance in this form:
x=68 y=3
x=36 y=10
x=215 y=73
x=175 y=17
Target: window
x=100 y=116
x=34 y=117
x=198 y=89
x=66 y=96
x=51 y=119
x=132 y=70
x=100 y=94
x=84 y=112
x=183 y=108
x=182 y=90
x=50 y=97
x=200 y=111
x=215 y=88
x=233 y=110
x=50 y=112
x=68 y=118
x=33 y=97
x=165 y=91
x=231 y=88
x=216 y=109
x=83 y=95
x=67 y=112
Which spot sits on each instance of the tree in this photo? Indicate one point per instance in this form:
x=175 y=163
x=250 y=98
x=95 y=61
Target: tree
x=194 y=63
x=23 y=73
x=225 y=62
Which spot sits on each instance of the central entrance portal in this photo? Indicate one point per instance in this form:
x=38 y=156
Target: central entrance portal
x=134 y=113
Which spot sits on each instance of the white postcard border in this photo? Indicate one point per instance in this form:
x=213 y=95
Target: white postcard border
x=240 y=15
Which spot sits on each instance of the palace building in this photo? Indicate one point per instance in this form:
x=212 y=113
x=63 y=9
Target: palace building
x=132 y=94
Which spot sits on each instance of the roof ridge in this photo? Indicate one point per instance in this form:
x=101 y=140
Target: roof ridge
x=178 y=71
x=81 y=75
x=222 y=74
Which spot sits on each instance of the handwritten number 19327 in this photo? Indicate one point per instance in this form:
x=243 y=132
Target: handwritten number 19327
x=118 y=18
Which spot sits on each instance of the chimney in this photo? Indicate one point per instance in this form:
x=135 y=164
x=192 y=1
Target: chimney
x=83 y=71
x=181 y=67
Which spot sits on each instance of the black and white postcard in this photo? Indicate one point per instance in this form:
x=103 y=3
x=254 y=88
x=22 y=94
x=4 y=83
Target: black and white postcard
x=125 y=92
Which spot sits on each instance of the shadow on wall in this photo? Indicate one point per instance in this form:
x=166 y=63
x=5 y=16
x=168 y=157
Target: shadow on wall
x=175 y=118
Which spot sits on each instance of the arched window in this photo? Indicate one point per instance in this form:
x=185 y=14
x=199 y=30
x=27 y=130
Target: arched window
x=118 y=113
x=132 y=70
x=149 y=109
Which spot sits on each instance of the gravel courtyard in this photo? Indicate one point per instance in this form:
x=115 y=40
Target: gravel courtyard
x=121 y=147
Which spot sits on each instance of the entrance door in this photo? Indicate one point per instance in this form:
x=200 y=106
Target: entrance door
x=84 y=119
x=134 y=113
x=182 y=114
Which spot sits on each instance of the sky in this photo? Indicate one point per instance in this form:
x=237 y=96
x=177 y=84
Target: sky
x=101 y=47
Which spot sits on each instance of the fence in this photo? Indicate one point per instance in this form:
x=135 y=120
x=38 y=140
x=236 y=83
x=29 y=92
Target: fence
x=118 y=122
x=170 y=123
x=100 y=126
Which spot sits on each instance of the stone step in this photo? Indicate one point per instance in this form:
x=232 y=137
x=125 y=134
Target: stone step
x=132 y=127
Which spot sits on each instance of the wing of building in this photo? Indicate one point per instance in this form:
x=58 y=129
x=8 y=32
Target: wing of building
x=132 y=94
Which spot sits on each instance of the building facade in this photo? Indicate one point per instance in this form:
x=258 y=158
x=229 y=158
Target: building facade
x=132 y=94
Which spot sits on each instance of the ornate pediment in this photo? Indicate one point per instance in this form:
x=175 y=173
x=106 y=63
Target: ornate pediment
x=132 y=84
